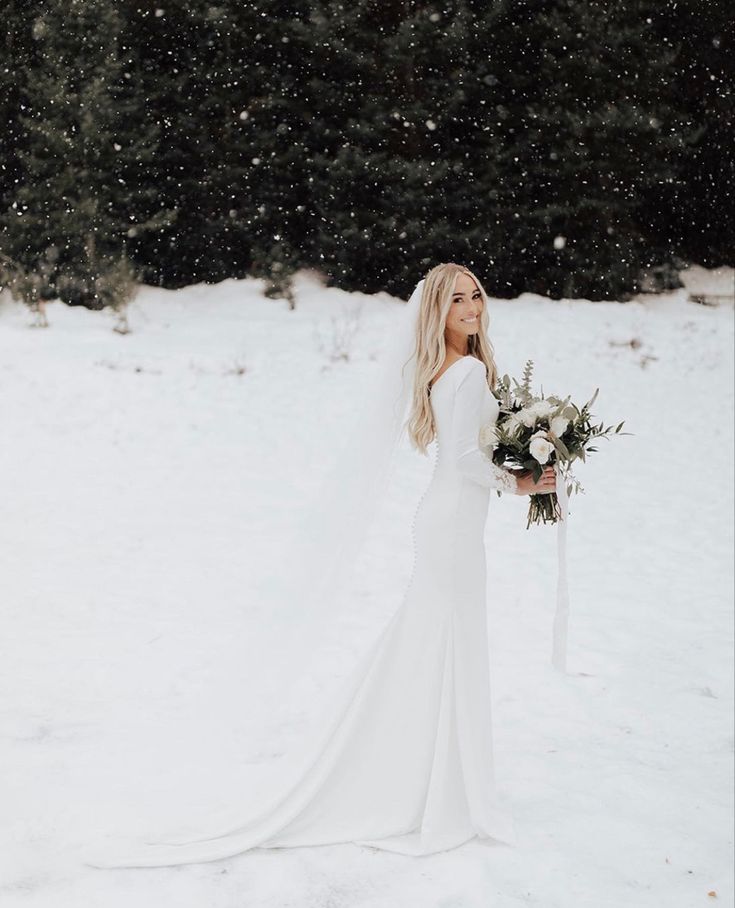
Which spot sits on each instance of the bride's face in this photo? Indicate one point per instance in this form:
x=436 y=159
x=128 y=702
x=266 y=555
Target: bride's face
x=463 y=317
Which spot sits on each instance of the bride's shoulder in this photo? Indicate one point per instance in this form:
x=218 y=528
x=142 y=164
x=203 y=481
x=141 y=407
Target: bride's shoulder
x=456 y=370
x=471 y=365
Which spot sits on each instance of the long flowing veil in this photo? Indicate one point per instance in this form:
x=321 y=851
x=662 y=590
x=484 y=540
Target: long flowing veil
x=332 y=531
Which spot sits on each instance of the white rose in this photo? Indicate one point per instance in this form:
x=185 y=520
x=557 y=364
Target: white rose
x=527 y=416
x=543 y=407
x=537 y=410
x=540 y=447
x=559 y=425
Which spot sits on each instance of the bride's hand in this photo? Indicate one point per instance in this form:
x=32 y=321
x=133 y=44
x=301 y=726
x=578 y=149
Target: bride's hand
x=526 y=485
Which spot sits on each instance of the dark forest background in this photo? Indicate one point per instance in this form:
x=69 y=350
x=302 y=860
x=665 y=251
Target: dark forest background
x=563 y=147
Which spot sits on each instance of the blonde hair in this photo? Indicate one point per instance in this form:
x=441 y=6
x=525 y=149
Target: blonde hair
x=430 y=347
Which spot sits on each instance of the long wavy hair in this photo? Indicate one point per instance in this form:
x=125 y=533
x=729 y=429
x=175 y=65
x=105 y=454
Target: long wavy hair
x=430 y=347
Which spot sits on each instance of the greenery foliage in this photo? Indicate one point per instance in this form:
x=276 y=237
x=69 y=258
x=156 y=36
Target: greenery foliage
x=553 y=146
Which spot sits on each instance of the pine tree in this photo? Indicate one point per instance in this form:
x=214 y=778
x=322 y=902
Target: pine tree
x=579 y=104
x=269 y=155
x=520 y=138
x=82 y=155
x=222 y=82
x=391 y=144
x=554 y=146
x=17 y=59
x=691 y=215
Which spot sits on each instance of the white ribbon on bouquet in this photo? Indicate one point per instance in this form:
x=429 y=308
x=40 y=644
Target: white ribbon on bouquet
x=561 y=617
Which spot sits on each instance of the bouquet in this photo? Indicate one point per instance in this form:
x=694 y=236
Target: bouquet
x=532 y=431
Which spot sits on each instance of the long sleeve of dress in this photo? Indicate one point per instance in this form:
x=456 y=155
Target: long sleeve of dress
x=471 y=459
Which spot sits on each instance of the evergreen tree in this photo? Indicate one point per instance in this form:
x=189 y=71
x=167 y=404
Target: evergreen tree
x=520 y=137
x=557 y=146
x=581 y=109
x=82 y=156
x=692 y=215
x=221 y=82
x=17 y=59
x=268 y=165
x=390 y=148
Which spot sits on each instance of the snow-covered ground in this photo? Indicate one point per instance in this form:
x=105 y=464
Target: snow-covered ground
x=144 y=476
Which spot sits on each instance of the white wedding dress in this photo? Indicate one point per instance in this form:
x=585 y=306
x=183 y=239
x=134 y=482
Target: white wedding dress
x=403 y=761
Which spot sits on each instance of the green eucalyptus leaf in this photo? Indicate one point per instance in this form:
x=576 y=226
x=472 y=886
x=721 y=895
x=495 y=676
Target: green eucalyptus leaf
x=561 y=447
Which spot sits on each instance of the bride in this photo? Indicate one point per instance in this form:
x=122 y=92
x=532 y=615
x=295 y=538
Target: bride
x=404 y=761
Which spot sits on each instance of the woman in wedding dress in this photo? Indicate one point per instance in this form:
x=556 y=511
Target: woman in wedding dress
x=404 y=761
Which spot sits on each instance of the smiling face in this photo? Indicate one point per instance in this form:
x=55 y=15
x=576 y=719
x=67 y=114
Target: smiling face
x=463 y=318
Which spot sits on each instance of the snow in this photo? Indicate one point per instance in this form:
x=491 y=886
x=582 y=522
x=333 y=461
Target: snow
x=146 y=475
x=717 y=282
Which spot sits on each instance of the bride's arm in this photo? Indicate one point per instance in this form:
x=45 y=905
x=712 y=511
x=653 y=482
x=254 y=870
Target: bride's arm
x=472 y=462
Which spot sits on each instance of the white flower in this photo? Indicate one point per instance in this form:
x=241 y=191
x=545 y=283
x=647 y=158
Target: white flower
x=540 y=447
x=542 y=407
x=489 y=436
x=527 y=416
x=537 y=410
x=559 y=425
